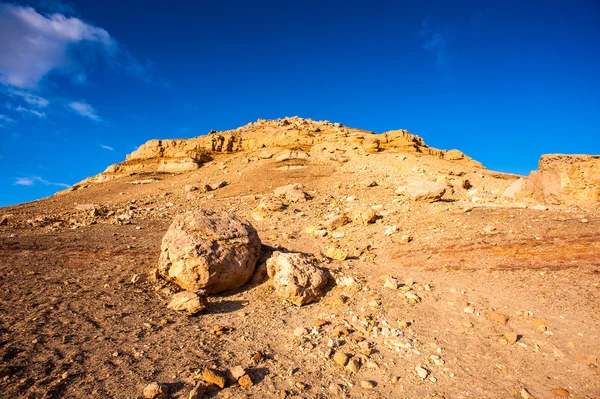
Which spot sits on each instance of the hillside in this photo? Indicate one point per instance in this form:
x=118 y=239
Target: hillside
x=445 y=279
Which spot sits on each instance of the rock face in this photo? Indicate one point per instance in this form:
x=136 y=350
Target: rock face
x=295 y=278
x=286 y=140
x=566 y=179
x=211 y=251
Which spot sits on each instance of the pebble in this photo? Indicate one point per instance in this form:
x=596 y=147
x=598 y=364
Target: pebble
x=353 y=365
x=469 y=309
x=341 y=358
x=496 y=316
x=300 y=331
x=155 y=390
x=563 y=393
x=367 y=384
x=525 y=394
x=197 y=392
x=391 y=283
x=245 y=381
x=421 y=372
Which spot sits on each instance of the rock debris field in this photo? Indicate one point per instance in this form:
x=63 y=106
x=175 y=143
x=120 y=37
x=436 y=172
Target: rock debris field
x=294 y=258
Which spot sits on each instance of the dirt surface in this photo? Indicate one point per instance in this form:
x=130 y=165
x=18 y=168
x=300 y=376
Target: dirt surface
x=73 y=324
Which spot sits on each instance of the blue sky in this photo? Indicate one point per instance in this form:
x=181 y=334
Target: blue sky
x=83 y=83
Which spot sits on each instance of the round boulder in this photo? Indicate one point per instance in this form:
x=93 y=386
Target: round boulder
x=214 y=251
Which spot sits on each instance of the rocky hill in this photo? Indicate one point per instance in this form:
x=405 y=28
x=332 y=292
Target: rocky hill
x=302 y=259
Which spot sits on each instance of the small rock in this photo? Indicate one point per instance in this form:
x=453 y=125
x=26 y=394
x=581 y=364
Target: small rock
x=336 y=390
x=469 y=309
x=341 y=358
x=563 y=393
x=353 y=365
x=368 y=384
x=391 y=283
x=421 y=372
x=498 y=317
x=405 y=239
x=237 y=372
x=511 y=337
x=391 y=230
x=525 y=394
x=155 y=390
x=540 y=208
x=363 y=215
x=336 y=221
x=139 y=278
x=190 y=302
x=336 y=254
x=489 y=229
x=213 y=377
x=295 y=278
x=190 y=187
x=300 y=331
x=245 y=381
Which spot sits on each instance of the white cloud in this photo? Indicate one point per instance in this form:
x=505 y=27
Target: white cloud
x=106 y=147
x=6 y=119
x=30 y=111
x=29 y=98
x=85 y=110
x=35 y=44
x=32 y=180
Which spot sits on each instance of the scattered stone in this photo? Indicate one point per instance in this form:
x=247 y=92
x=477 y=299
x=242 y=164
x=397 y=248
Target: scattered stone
x=190 y=187
x=300 y=331
x=363 y=215
x=336 y=253
x=336 y=221
x=421 y=372
x=295 y=277
x=391 y=283
x=155 y=390
x=489 y=229
x=245 y=381
x=353 y=365
x=209 y=250
x=368 y=384
x=391 y=230
x=237 y=372
x=511 y=337
x=213 y=377
x=563 y=393
x=191 y=302
x=139 y=278
x=292 y=192
x=405 y=239
x=336 y=390
x=218 y=185
x=341 y=358
x=469 y=309
x=422 y=190
x=496 y=316
x=525 y=394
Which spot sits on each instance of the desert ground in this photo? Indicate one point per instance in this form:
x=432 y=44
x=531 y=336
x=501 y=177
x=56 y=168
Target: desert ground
x=474 y=293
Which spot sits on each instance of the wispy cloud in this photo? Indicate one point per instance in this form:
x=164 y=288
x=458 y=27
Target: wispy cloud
x=105 y=147
x=4 y=119
x=29 y=98
x=30 y=111
x=33 y=180
x=435 y=40
x=86 y=110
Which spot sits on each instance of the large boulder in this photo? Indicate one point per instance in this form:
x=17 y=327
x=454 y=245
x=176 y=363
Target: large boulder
x=566 y=179
x=296 y=278
x=214 y=251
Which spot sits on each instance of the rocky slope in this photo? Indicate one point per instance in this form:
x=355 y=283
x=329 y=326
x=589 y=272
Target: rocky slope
x=387 y=269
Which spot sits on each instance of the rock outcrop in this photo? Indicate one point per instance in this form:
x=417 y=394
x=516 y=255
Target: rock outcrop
x=283 y=140
x=211 y=251
x=566 y=179
x=295 y=278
